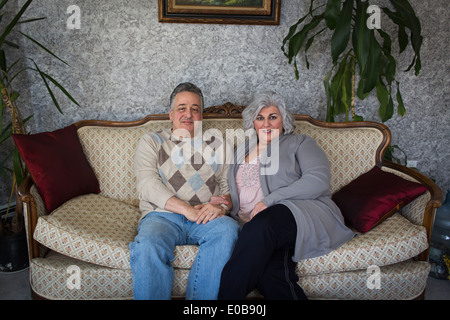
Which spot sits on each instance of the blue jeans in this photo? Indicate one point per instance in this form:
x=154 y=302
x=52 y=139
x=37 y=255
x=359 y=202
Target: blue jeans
x=152 y=253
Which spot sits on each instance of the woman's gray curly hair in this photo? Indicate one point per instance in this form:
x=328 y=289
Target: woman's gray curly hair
x=268 y=99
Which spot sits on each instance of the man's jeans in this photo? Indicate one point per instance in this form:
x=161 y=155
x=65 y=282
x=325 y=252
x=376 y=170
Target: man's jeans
x=152 y=253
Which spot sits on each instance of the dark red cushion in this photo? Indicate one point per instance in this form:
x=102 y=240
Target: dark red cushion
x=58 y=165
x=374 y=196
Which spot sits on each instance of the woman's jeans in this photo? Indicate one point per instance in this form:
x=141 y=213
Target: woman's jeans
x=152 y=253
x=262 y=258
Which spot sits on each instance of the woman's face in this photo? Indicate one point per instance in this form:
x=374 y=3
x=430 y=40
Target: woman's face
x=268 y=124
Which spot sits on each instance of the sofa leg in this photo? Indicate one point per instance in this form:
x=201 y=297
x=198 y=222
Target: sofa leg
x=421 y=296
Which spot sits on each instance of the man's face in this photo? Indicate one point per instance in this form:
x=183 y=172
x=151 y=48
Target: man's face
x=186 y=111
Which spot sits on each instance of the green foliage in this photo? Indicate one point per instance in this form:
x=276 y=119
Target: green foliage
x=9 y=72
x=357 y=49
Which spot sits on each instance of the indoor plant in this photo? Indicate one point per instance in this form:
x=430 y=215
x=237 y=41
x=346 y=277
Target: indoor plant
x=362 y=57
x=15 y=122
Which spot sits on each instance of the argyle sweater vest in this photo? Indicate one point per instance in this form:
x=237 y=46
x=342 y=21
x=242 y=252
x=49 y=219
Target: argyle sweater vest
x=191 y=169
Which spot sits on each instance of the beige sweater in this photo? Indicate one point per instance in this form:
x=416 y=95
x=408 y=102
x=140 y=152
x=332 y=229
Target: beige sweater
x=191 y=169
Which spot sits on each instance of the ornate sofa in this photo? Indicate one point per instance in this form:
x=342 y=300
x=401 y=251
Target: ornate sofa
x=88 y=236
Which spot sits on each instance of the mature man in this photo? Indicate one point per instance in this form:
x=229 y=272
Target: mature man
x=177 y=174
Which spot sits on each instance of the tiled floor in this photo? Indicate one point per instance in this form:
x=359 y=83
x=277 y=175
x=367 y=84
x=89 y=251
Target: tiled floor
x=14 y=286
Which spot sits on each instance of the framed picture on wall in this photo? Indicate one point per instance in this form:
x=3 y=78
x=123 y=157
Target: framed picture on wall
x=265 y=12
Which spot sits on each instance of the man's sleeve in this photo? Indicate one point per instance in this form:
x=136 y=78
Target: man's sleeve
x=222 y=173
x=149 y=183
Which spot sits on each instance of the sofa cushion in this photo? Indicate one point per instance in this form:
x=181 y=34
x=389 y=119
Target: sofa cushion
x=98 y=229
x=350 y=151
x=49 y=278
x=91 y=228
x=406 y=280
x=374 y=196
x=395 y=240
x=58 y=165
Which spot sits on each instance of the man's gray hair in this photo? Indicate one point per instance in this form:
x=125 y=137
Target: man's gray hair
x=268 y=99
x=186 y=87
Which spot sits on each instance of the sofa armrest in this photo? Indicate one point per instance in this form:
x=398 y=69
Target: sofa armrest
x=433 y=203
x=30 y=210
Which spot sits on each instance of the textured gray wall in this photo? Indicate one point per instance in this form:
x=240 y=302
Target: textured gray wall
x=124 y=64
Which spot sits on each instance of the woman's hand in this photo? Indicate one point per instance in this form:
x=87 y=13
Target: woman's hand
x=221 y=199
x=259 y=206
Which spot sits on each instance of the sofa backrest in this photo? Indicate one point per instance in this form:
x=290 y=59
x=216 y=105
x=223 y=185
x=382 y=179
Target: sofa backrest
x=352 y=148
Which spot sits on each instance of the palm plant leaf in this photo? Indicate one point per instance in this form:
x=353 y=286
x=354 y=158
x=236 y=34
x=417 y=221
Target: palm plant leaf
x=14 y=21
x=365 y=53
x=43 y=47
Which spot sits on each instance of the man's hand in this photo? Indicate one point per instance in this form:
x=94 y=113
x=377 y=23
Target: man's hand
x=202 y=213
x=208 y=212
x=181 y=207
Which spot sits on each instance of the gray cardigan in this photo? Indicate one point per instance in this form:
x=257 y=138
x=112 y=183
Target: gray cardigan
x=301 y=183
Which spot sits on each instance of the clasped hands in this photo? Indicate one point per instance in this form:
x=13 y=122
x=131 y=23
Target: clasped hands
x=203 y=213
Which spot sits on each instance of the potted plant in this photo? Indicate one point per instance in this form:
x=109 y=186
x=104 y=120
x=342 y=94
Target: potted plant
x=362 y=56
x=12 y=229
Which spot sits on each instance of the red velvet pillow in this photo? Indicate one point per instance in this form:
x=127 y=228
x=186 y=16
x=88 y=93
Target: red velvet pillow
x=374 y=196
x=58 y=165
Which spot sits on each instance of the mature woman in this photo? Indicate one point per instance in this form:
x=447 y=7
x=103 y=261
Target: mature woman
x=280 y=191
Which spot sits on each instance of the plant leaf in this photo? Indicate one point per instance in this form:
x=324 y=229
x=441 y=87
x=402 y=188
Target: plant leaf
x=326 y=84
x=336 y=87
x=332 y=11
x=405 y=17
x=2 y=4
x=411 y=21
x=371 y=73
x=341 y=34
x=418 y=66
x=386 y=109
x=296 y=42
x=19 y=171
x=4 y=171
x=60 y=88
x=6 y=133
x=31 y=20
x=308 y=45
x=14 y=21
x=291 y=32
x=346 y=86
x=12 y=44
x=3 y=60
x=402 y=38
x=55 y=102
x=401 y=106
x=359 y=92
x=40 y=45
x=361 y=35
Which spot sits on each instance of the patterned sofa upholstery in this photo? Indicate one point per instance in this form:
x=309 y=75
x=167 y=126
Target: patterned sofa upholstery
x=92 y=231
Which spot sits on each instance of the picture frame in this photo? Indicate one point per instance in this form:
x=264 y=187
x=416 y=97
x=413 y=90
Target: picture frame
x=257 y=12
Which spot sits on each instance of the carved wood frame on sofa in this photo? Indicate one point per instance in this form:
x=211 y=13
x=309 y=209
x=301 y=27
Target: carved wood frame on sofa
x=399 y=245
